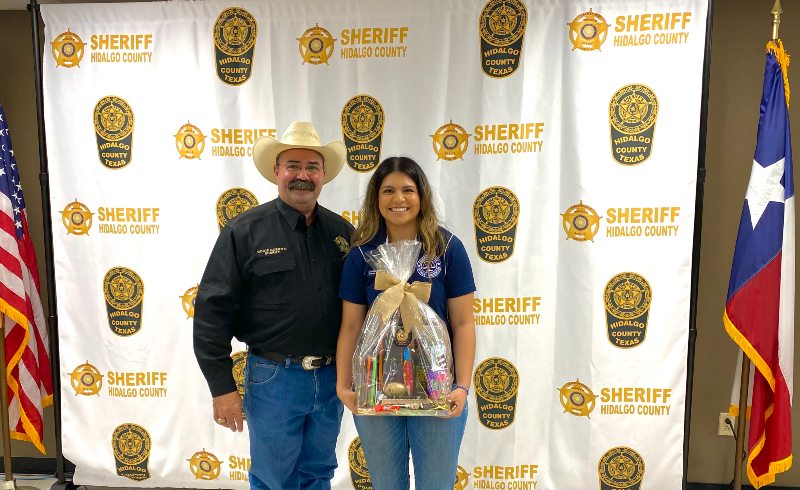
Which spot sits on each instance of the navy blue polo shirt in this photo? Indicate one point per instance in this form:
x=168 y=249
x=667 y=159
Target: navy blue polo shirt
x=450 y=275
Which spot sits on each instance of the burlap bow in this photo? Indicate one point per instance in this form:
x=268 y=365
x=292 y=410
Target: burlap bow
x=397 y=294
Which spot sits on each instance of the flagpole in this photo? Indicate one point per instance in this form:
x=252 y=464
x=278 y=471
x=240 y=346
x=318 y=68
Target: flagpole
x=9 y=473
x=776 y=19
x=744 y=381
x=741 y=422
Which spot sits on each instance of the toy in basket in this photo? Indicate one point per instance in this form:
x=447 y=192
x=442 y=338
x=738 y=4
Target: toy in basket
x=402 y=364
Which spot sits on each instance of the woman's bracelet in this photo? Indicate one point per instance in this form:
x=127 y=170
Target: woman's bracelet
x=462 y=387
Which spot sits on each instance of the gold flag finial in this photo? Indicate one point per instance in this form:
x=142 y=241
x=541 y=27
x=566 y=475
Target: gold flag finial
x=776 y=18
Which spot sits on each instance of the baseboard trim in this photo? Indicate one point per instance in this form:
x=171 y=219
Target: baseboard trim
x=728 y=486
x=36 y=466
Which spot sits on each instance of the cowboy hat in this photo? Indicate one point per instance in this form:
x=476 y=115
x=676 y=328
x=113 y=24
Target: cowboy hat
x=298 y=135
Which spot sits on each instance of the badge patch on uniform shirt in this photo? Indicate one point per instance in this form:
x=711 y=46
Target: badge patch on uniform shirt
x=342 y=243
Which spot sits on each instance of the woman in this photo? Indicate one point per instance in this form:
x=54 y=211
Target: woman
x=399 y=206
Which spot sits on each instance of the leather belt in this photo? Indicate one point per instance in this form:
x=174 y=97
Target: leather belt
x=306 y=362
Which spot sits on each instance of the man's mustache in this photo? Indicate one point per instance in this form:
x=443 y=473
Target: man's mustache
x=301 y=185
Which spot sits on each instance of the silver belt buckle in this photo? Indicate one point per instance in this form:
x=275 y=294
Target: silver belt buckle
x=307 y=362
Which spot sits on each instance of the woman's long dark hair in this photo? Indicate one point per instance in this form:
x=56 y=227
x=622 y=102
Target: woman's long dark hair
x=370 y=220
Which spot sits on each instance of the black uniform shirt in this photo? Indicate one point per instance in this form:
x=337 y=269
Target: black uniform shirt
x=271 y=282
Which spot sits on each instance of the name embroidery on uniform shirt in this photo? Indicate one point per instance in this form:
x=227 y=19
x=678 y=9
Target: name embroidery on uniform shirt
x=271 y=251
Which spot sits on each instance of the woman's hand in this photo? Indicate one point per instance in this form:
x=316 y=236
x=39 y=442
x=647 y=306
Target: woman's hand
x=457 y=399
x=348 y=398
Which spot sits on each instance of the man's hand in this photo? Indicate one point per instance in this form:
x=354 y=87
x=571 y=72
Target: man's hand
x=228 y=411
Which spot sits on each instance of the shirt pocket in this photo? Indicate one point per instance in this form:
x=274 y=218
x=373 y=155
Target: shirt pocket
x=275 y=279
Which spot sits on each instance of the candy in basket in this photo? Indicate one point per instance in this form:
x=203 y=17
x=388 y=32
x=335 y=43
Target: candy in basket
x=402 y=364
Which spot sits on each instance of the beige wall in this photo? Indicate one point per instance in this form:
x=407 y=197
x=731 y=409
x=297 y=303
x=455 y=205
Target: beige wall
x=18 y=98
x=741 y=28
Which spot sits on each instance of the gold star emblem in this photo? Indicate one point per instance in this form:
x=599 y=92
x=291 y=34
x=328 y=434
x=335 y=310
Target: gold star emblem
x=577 y=398
x=316 y=45
x=187 y=301
x=204 y=465
x=588 y=31
x=190 y=141
x=450 y=142
x=67 y=49
x=76 y=218
x=462 y=478
x=86 y=380
x=580 y=222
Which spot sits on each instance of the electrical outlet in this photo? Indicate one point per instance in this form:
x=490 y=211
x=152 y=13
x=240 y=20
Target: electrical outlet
x=724 y=429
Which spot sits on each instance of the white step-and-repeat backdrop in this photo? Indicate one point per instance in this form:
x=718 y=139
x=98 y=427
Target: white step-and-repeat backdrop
x=561 y=138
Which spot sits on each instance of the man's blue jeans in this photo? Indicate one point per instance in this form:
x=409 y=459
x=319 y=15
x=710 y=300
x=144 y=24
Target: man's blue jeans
x=293 y=419
x=434 y=443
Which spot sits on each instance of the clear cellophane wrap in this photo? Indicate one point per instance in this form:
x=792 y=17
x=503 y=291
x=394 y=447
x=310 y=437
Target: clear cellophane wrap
x=402 y=364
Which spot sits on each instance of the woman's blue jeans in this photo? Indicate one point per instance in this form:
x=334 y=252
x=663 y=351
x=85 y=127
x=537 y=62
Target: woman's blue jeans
x=434 y=443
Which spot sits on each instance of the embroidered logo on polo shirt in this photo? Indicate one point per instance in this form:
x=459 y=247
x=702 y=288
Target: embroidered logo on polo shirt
x=429 y=272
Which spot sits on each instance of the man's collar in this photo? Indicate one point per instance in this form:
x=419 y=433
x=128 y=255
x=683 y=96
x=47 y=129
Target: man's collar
x=292 y=216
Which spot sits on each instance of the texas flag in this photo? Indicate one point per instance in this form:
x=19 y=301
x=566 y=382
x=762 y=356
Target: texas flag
x=759 y=312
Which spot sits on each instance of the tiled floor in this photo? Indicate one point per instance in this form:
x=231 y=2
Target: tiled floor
x=29 y=482
x=39 y=482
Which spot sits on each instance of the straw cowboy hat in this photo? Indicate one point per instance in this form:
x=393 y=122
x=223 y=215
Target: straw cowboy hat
x=298 y=135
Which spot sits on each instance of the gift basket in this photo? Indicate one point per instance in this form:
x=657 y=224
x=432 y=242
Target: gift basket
x=402 y=364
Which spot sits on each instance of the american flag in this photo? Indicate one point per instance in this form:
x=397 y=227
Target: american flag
x=30 y=386
x=759 y=312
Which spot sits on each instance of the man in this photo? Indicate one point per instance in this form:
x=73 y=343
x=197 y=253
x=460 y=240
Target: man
x=272 y=282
